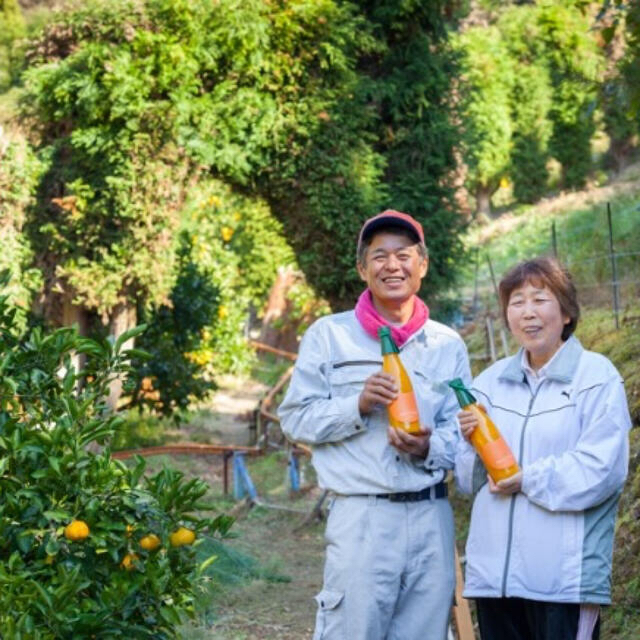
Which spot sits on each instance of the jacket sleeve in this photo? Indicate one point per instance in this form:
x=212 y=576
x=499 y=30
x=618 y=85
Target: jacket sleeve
x=445 y=435
x=309 y=413
x=596 y=468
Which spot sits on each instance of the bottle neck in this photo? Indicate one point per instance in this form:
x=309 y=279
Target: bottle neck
x=387 y=345
x=463 y=395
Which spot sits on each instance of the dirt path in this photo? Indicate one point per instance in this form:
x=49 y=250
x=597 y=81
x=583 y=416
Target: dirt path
x=281 y=606
x=266 y=609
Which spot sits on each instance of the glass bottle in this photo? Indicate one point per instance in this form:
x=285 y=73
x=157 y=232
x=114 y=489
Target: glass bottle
x=403 y=411
x=486 y=438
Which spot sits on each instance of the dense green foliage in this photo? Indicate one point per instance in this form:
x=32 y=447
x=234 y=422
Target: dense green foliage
x=12 y=28
x=529 y=94
x=286 y=100
x=19 y=170
x=488 y=77
x=317 y=114
x=51 y=413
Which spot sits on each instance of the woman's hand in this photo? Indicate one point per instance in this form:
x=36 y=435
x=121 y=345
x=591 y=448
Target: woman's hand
x=468 y=422
x=507 y=486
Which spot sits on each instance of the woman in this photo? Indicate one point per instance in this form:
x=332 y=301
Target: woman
x=540 y=543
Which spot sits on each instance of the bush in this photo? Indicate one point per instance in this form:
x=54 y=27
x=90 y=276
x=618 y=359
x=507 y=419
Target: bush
x=12 y=28
x=104 y=585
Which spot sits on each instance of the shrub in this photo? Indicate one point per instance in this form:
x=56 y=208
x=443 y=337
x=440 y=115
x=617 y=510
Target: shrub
x=104 y=585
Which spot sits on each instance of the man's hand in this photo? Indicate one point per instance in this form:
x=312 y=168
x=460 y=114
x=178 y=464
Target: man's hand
x=507 y=486
x=379 y=389
x=417 y=445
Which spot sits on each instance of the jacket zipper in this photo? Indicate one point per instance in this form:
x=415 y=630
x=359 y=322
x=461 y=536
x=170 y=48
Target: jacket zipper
x=512 y=506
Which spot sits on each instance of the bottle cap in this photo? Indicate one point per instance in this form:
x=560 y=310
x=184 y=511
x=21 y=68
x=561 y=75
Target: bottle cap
x=464 y=396
x=386 y=341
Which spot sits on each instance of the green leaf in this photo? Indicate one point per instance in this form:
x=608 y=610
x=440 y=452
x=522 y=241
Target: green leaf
x=127 y=335
x=203 y=565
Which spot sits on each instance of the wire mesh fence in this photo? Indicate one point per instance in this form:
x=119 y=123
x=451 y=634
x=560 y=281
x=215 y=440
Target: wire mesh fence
x=600 y=248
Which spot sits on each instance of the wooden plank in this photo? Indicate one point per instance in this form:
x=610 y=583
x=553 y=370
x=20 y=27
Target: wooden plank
x=461 y=610
x=279 y=352
x=186 y=448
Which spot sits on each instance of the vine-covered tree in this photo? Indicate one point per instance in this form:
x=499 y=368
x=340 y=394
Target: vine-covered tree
x=12 y=28
x=136 y=102
x=486 y=90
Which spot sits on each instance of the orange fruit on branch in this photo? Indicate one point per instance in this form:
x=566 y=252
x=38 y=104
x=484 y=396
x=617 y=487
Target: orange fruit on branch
x=76 y=530
x=150 y=542
x=181 y=537
x=128 y=561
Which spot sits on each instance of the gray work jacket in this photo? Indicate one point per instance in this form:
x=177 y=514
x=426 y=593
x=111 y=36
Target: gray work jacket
x=351 y=453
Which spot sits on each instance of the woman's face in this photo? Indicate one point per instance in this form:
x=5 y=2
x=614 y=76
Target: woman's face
x=536 y=321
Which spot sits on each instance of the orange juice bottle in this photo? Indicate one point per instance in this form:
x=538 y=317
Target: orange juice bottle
x=485 y=438
x=403 y=411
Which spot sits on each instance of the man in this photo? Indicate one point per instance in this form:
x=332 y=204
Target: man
x=389 y=571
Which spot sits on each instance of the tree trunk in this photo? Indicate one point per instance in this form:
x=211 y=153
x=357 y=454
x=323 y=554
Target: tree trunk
x=122 y=318
x=74 y=315
x=277 y=328
x=483 y=200
x=620 y=153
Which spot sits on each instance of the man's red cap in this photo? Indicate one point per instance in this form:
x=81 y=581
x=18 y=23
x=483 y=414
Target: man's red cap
x=391 y=217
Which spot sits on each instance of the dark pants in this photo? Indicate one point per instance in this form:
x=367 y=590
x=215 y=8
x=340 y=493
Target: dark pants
x=520 y=619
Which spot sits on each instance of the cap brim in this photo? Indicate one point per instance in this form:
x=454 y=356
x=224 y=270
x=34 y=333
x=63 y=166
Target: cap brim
x=390 y=221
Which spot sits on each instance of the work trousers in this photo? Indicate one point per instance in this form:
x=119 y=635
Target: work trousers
x=389 y=570
x=522 y=619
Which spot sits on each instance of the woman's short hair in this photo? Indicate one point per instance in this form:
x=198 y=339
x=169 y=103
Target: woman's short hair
x=543 y=272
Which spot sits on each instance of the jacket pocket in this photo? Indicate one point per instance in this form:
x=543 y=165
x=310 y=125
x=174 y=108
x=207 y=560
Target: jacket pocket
x=330 y=618
x=348 y=378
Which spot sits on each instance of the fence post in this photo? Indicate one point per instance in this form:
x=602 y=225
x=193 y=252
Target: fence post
x=554 y=240
x=490 y=336
x=505 y=342
x=493 y=279
x=474 y=304
x=614 y=269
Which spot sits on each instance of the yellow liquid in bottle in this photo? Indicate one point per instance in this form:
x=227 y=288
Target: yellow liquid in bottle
x=403 y=411
x=491 y=446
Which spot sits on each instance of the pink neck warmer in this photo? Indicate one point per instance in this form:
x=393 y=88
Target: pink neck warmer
x=371 y=320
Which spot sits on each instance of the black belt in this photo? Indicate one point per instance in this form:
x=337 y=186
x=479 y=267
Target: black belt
x=439 y=490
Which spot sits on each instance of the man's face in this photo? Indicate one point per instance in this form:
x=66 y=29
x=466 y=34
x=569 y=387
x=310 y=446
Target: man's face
x=393 y=268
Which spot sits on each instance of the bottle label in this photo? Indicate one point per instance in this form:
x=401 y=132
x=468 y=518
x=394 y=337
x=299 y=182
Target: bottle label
x=403 y=408
x=497 y=454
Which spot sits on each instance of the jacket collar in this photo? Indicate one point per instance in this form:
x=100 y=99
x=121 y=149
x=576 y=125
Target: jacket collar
x=561 y=369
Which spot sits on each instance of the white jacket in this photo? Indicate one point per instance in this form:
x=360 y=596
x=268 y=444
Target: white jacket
x=553 y=541
x=351 y=453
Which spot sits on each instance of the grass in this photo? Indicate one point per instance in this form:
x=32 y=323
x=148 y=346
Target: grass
x=582 y=240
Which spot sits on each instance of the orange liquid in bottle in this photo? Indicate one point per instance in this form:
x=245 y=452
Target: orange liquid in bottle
x=403 y=411
x=486 y=437
x=491 y=446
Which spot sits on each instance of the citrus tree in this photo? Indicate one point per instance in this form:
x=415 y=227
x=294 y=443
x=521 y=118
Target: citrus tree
x=89 y=548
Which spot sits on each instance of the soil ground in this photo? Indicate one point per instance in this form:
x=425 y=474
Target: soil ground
x=279 y=606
